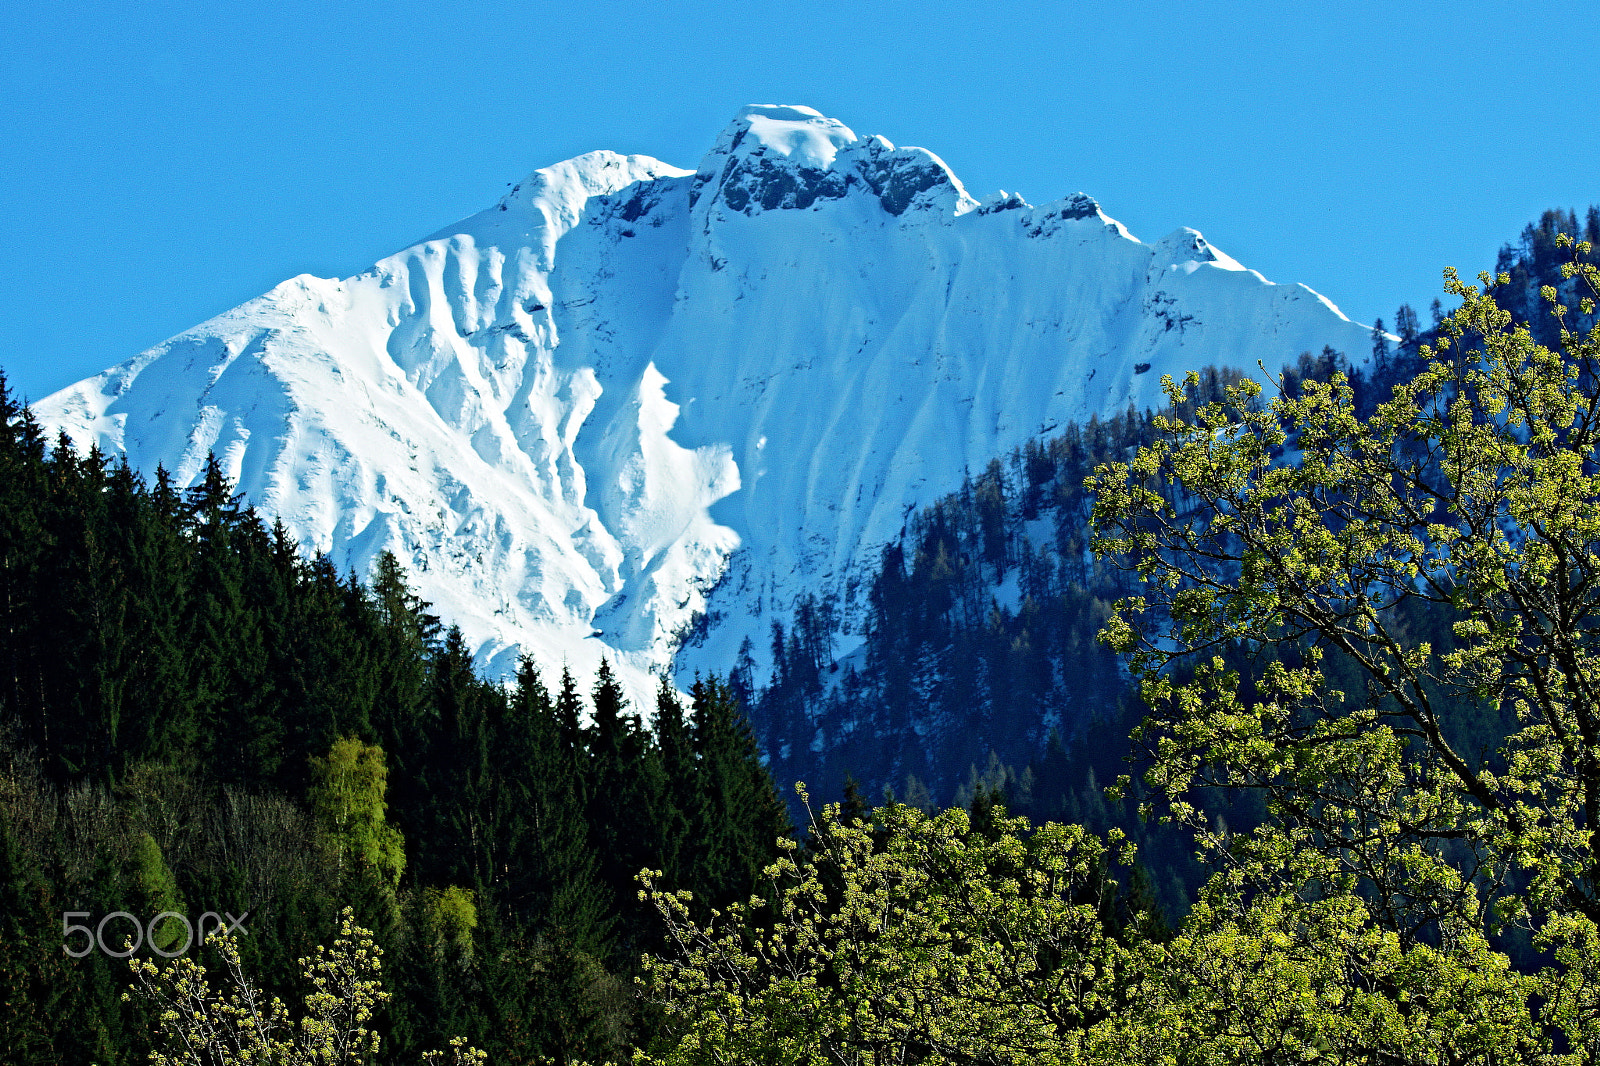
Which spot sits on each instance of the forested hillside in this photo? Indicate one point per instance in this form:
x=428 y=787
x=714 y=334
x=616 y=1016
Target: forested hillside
x=978 y=668
x=195 y=716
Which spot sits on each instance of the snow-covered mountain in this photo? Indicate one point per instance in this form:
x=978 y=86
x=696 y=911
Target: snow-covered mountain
x=573 y=414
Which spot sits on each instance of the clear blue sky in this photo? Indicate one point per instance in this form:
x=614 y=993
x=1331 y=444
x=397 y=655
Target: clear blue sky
x=161 y=162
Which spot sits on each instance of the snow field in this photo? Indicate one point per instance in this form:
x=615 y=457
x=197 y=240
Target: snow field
x=572 y=415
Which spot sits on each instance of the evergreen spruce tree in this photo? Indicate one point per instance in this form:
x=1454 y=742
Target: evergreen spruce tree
x=457 y=770
x=327 y=677
x=82 y=619
x=407 y=635
x=626 y=805
x=682 y=794
x=395 y=622
x=224 y=636
x=551 y=873
x=1405 y=326
x=23 y=491
x=160 y=717
x=741 y=679
x=569 y=727
x=853 y=808
x=741 y=816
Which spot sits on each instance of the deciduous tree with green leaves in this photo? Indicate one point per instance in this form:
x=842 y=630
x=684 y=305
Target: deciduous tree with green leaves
x=238 y=1024
x=348 y=799
x=913 y=938
x=1323 y=543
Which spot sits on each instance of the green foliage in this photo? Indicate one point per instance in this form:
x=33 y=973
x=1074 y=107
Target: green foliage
x=348 y=801
x=241 y=1025
x=1472 y=495
x=1277 y=978
x=916 y=938
x=910 y=939
x=453 y=917
x=160 y=890
x=1378 y=619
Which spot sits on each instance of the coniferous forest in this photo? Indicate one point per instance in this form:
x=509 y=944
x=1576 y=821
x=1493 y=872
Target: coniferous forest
x=200 y=718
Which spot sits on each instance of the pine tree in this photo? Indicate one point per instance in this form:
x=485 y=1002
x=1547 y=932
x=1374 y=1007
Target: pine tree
x=550 y=872
x=1405 y=326
x=224 y=635
x=741 y=815
x=395 y=622
x=626 y=806
x=23 y=491
x=456 y=771
x=1380 y=346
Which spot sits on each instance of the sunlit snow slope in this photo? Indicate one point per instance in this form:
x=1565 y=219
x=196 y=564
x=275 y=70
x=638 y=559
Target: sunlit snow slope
x=570 y=415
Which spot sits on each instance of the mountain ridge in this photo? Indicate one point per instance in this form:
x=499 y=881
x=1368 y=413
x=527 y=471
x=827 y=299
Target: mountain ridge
x=575 y=413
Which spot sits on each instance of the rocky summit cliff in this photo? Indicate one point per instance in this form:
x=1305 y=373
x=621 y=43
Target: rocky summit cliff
x=575 y=414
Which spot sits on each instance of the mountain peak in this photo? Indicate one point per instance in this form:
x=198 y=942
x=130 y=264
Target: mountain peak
x=566 y=186
x=788 y=156
x=804 y=136
x=1185 y=248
